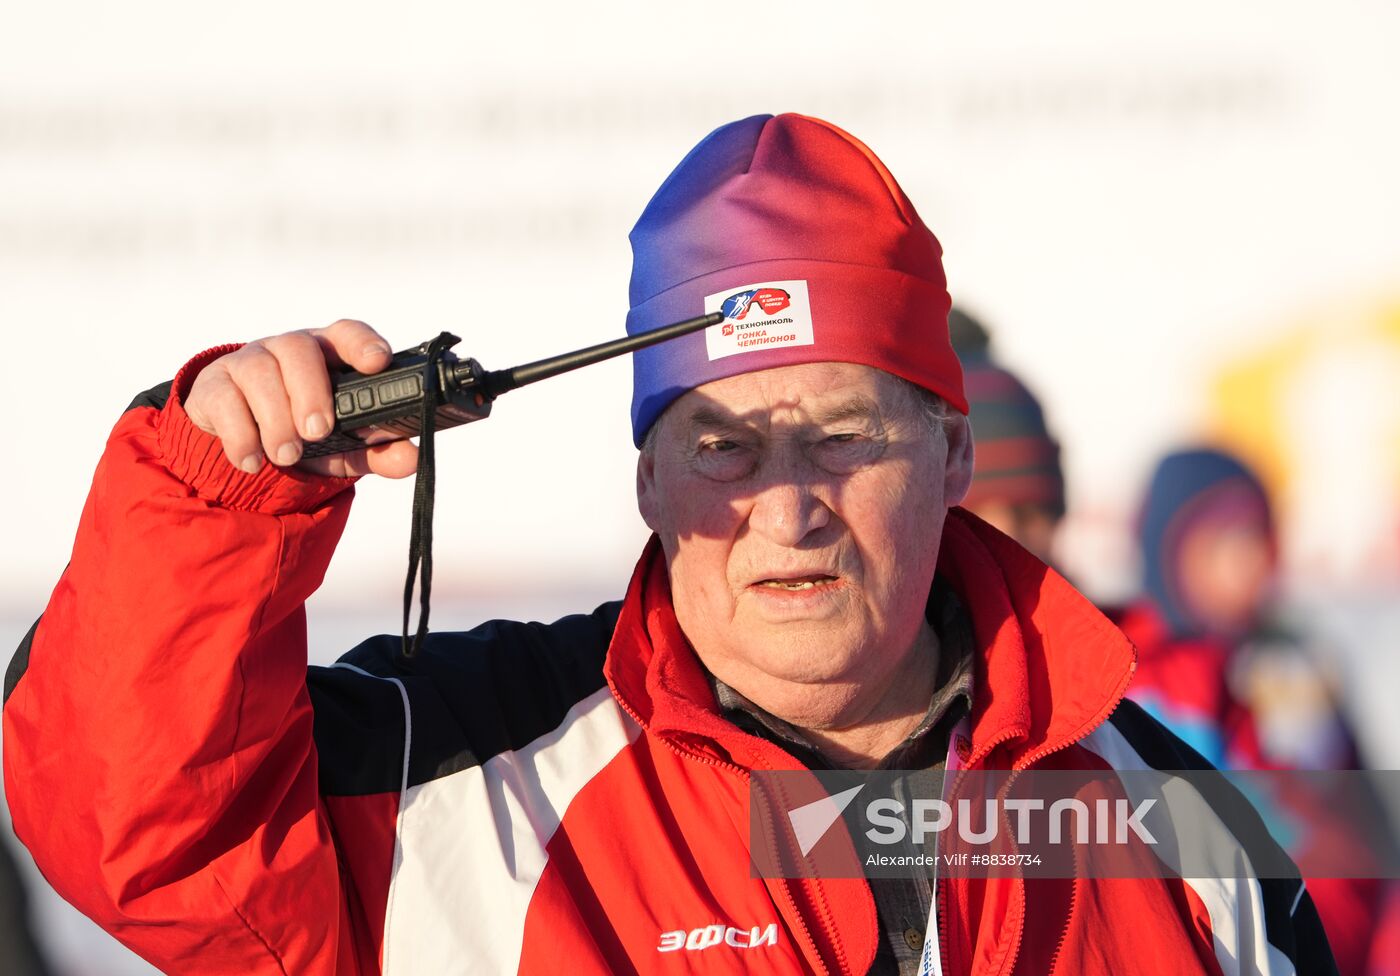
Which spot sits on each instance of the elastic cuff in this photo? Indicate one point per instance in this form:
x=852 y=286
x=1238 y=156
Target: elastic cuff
x=198 y=459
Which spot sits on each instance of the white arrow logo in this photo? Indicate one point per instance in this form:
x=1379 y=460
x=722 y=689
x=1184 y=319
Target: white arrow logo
x=811 y=821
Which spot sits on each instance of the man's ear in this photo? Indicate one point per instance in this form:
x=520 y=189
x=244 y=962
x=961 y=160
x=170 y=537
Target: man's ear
x=957 y=474
x=646 y=487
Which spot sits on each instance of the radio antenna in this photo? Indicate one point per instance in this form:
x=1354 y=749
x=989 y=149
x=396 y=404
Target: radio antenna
x=497 y=381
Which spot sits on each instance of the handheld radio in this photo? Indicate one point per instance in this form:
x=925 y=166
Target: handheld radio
x=389 y=405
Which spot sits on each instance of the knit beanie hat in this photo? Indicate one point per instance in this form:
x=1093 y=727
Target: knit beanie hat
x=969 y=336
x=1018 y=462
x=800 y=236
x=1189 y=488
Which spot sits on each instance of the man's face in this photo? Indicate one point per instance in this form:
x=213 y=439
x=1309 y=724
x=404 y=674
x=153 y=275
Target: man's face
x=800 y=509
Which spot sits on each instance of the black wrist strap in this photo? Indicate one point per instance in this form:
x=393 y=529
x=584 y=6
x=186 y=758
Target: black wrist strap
x=420 y=541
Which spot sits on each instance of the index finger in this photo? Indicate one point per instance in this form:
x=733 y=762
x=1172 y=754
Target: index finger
x=350 y=342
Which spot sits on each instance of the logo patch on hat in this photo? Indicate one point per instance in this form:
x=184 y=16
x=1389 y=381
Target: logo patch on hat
x=765 y=315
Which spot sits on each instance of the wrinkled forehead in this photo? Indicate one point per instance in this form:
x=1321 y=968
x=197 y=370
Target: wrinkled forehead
x=806 y=394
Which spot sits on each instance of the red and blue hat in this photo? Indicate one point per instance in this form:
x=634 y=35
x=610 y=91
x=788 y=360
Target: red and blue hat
x=800 y=235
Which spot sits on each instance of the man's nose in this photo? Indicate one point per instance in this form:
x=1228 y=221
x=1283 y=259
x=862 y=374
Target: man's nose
x=787 y=511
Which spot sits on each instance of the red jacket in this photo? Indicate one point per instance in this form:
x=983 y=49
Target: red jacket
x=520 y=798
x=1183 y=682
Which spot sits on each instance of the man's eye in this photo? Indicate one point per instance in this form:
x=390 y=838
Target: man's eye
x=724 y=459
x=846 y=452
x=719 y=446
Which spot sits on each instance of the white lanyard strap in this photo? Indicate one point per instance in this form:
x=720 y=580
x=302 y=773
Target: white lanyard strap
x=930 y=961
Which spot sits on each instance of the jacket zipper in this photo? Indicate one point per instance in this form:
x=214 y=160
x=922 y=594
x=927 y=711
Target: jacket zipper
x=941 y=892
x=1064 y=932
x=743 y=773
x=792 y=900
x=1022 y=766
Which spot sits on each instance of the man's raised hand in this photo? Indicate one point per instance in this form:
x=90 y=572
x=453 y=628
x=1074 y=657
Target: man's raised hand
x=265 y=400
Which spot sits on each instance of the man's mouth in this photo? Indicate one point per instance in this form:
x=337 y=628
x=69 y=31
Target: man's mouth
x=798 y=582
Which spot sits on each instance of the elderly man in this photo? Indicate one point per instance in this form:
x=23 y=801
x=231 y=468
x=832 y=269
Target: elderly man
x=574 y=797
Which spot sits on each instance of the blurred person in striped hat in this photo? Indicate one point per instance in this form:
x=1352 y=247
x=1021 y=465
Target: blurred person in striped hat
x=1018 y=485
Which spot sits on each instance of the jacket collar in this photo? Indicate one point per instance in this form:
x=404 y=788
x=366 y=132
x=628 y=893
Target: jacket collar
x=1049 y=667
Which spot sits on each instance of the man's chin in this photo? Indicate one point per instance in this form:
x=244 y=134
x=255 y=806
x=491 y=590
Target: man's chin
x=804 y=655
x=809 y=697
